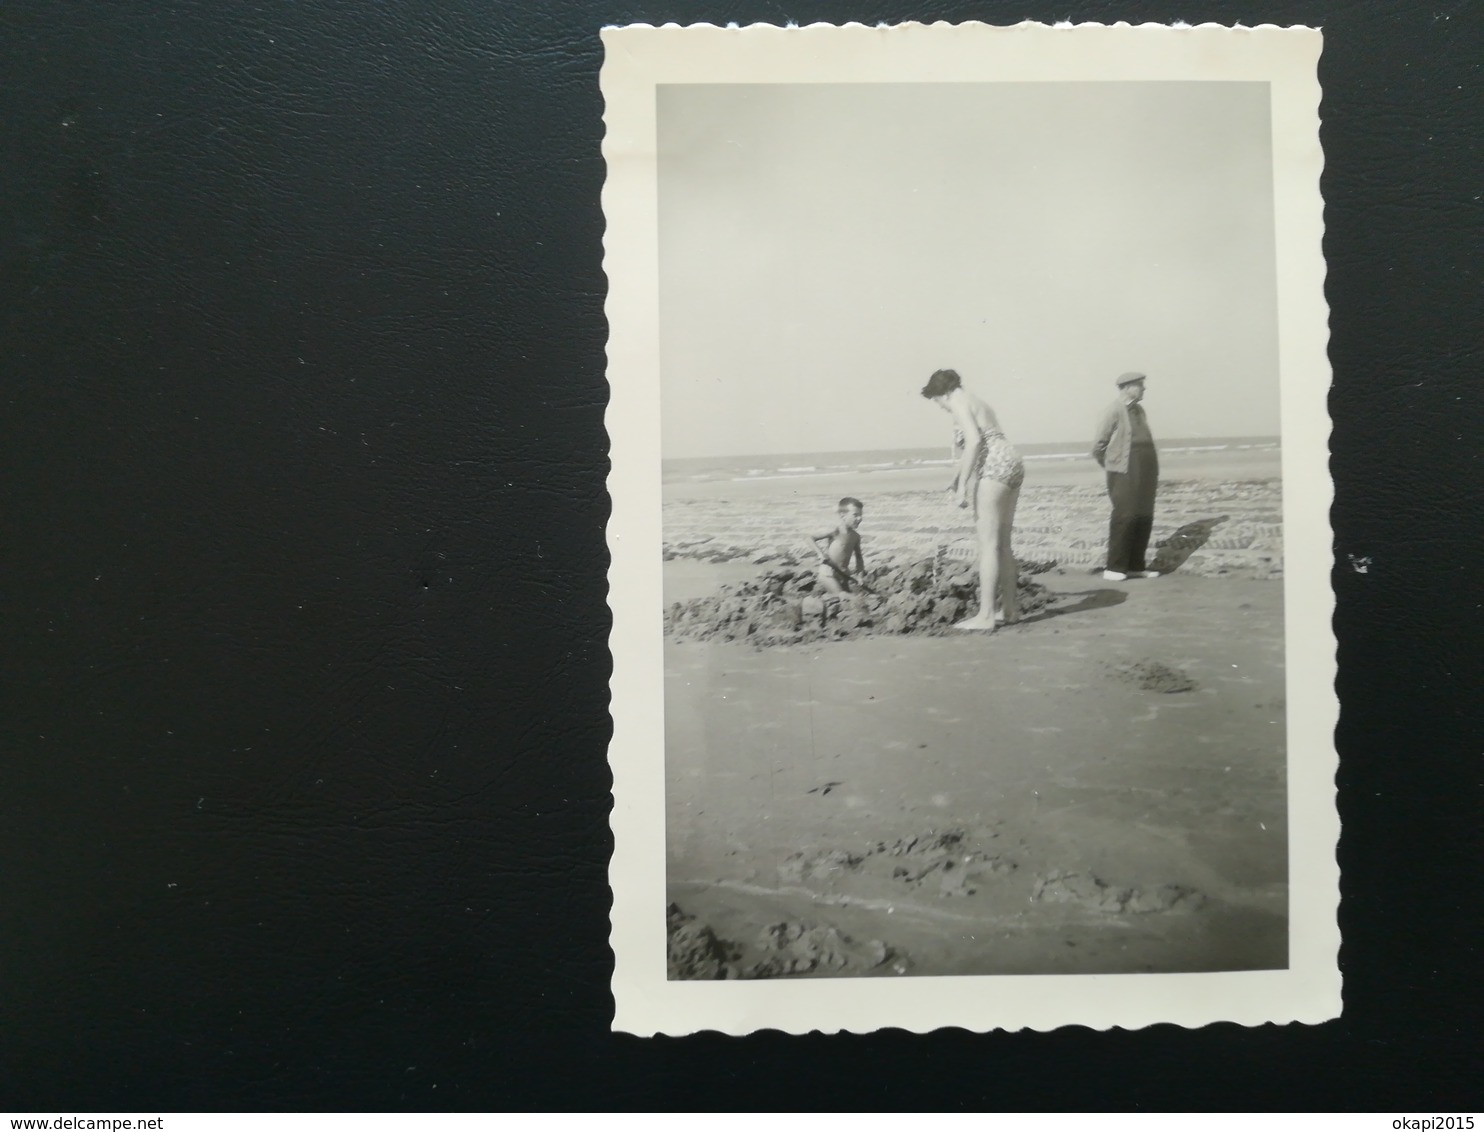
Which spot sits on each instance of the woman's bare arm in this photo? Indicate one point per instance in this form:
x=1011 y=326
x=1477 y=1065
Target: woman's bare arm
x=973 y=443
x=955 y=453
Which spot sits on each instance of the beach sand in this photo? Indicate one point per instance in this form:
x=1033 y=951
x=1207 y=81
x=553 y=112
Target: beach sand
x=1219 y=514
x=1099 y=789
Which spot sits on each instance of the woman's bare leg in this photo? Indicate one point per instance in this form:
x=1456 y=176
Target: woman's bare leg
x=991 y=515
x=1009 y=569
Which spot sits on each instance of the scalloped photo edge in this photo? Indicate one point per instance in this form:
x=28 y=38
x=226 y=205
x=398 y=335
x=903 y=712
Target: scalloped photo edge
x=639 y=60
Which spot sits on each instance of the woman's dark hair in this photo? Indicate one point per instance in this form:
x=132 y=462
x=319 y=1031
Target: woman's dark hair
x=942 y=382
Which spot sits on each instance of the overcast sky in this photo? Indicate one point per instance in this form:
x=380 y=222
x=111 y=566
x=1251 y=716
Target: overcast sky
x=824 y=248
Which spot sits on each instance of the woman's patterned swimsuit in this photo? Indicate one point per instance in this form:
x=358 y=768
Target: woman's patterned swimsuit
x=998 y=459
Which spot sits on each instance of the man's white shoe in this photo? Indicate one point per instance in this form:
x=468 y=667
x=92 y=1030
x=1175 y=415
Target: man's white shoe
x=1114 y=576
x=1144 y=574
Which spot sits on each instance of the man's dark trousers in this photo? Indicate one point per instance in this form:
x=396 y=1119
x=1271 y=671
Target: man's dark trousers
x=1132 y=493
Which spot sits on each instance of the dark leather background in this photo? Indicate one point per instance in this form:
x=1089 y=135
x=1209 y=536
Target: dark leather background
x=303 y=664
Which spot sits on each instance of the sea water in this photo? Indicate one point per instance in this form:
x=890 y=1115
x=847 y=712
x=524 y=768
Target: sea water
x=707 y=469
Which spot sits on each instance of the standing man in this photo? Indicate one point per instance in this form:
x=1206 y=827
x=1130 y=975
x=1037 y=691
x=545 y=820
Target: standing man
x=1125 y=449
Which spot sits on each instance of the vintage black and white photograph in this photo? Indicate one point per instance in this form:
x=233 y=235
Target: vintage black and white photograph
x=974 y=504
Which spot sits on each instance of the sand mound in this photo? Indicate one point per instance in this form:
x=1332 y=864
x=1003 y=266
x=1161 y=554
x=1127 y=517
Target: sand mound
x=791 y=948
x=783 y=948
x=788 y=606
x=945 y=859
x=800 y=867
x=1082 y=888
x=943 y=862
x=1152 y=676
x=694 y=950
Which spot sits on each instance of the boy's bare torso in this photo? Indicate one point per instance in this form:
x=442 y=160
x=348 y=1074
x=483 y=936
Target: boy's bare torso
x=843 y=545
x=843 y=552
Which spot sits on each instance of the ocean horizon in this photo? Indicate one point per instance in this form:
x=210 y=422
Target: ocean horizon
x=702 y=469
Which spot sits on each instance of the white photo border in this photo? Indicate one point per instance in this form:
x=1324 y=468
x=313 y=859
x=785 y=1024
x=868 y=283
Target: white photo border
x=637 y=59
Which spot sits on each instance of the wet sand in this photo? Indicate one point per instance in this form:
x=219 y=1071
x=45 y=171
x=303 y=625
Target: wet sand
x=1094 y=825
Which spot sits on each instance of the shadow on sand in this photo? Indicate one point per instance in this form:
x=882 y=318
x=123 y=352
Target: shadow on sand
x=1172 y=551
x=1091 y=599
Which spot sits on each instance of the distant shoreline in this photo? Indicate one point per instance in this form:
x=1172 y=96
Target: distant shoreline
x=797 y=465
x=1247 y=462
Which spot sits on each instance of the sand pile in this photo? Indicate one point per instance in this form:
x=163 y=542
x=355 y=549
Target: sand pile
x=944 y=863
x=1083 y=888
x=946 y=859
x=1153 y=676
x=783 y=948
x=787 y=606
x=694 y=950
x=791 y=948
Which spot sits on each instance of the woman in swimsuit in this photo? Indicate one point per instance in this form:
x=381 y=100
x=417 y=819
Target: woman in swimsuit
x=990 y=473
